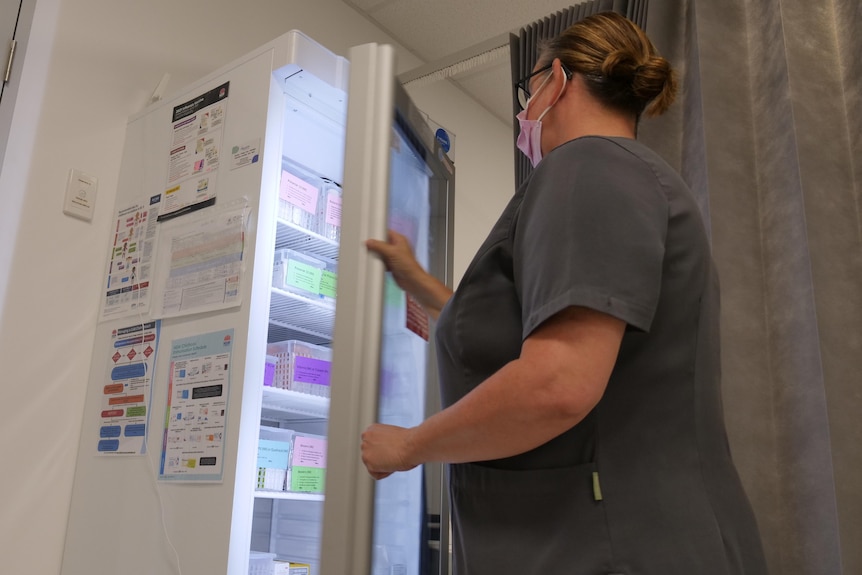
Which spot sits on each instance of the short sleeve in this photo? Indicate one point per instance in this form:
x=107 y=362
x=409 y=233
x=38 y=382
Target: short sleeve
x=591 y=232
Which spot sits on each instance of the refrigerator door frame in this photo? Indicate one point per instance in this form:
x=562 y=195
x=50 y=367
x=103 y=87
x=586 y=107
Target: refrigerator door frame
x=349 y=497
x=375 y=102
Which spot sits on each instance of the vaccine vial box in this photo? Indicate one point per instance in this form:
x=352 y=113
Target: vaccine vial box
x=302 y=367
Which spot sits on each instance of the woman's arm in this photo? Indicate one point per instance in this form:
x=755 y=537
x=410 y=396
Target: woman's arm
x=560 y=376
x=409 y=275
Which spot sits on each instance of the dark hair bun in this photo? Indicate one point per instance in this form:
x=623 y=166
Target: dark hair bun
x=654 y=83
x=619 y=64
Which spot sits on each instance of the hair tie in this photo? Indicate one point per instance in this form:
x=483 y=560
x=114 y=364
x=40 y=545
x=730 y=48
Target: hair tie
x=639 y=69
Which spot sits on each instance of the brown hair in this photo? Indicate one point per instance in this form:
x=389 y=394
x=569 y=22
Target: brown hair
x=618 y=62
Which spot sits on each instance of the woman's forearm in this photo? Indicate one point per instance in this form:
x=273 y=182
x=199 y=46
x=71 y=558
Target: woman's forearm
x=431 y=293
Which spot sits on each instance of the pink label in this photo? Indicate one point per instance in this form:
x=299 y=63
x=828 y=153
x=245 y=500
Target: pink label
x=298 y=192
x=310 y=370
x=308 y=452
x=333 y=210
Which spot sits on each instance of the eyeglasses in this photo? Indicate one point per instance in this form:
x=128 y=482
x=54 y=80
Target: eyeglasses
x=522 y=87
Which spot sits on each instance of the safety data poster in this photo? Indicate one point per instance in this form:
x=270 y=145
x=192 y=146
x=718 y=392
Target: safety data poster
x=200 y=261
x=196 y=414
x=195 y=152
x=127 y=392
x=128 y=278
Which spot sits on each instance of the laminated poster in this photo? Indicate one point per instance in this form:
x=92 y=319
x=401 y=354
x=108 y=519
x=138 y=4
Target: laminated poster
x=196 y=414
x=128 y=281
x=200 y=264
x=127 y=391
x=194 y=153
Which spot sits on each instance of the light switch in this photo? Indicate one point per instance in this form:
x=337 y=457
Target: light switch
x=80 y=195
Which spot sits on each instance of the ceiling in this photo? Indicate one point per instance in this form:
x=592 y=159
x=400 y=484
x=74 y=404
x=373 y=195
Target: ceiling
x=456 y=38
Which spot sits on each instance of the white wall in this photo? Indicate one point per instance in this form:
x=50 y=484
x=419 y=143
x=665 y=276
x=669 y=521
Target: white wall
x=484 y=166
x=99 y=66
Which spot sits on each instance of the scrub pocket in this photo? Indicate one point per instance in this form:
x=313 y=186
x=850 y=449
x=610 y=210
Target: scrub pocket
x=528 y=521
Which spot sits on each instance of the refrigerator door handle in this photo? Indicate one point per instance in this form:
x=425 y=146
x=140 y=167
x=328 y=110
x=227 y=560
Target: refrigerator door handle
x=349 y=500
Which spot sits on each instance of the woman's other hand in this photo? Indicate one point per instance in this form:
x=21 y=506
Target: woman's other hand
x=397 y=254
x=385 y=450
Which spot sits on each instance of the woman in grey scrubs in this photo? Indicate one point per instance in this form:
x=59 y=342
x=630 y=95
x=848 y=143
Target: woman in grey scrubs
x=579 y=356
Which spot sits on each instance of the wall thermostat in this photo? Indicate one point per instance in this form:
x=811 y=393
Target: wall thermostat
x=80 y=195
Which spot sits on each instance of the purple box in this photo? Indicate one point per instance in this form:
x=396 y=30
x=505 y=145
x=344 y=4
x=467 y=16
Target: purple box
x=269 y=370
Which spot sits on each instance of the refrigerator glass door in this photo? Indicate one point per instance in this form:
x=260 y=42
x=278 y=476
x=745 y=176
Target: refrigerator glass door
x=383 y=361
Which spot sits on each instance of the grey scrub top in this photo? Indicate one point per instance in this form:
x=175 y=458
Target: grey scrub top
x=645 y=484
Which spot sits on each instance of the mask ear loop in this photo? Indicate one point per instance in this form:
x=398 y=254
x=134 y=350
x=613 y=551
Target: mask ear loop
x=562 y=89
x=536 y=93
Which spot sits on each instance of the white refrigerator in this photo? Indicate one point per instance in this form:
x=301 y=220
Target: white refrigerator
x=247 y=337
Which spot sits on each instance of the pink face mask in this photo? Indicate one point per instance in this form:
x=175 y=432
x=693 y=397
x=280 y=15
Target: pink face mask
x=530 y=137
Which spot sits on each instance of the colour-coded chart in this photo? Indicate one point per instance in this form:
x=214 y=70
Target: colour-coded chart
x=126 y=396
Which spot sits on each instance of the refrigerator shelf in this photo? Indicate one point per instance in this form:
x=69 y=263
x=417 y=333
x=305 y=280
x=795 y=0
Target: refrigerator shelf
x=279 y=331
x=288 y=495
x=291 y=236
x=300 y=314
x=286 y=401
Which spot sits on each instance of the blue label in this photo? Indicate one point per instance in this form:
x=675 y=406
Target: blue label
x=443 y=137
x=109 y=445
x=109 y=431
x=135 y=430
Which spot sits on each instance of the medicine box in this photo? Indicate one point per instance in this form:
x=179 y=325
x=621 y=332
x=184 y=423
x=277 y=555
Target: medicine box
x=299 y=196
x=269 y=370
x=329 y=280
x=298 y=273
x=291 y=568
x=261 y=563
x=273 y=458
x=307 y=463
x=302 y=367
x=329 y=211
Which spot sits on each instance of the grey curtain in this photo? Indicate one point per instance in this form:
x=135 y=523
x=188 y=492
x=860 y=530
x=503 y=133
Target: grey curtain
x=524 y=52
x=768 y=133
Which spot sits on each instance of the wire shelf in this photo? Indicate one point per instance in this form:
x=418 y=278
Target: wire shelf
x=293 y=316
x=286 y=401
x=291 y=236
x=288 y=495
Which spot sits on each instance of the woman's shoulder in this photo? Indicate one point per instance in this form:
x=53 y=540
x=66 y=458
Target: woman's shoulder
x=596 y=159
x=611 y=159
x=602 y=150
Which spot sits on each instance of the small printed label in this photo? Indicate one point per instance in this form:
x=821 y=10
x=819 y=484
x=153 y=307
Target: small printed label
x=245 y=154
x=298 y=192
x=333 y=209
x=273 y=454
x=307 y=479
x=310 y=370
x=308 y=452
x=328 y=282
x=303 y=276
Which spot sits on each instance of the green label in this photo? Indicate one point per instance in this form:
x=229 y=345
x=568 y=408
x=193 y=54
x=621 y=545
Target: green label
x=307 y=479
x=303 y=276
x=392 y=294
x=137 y=411
x=327 y=284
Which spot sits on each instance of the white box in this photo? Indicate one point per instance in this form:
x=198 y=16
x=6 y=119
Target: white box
x=261 y=563
x=291 y=568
